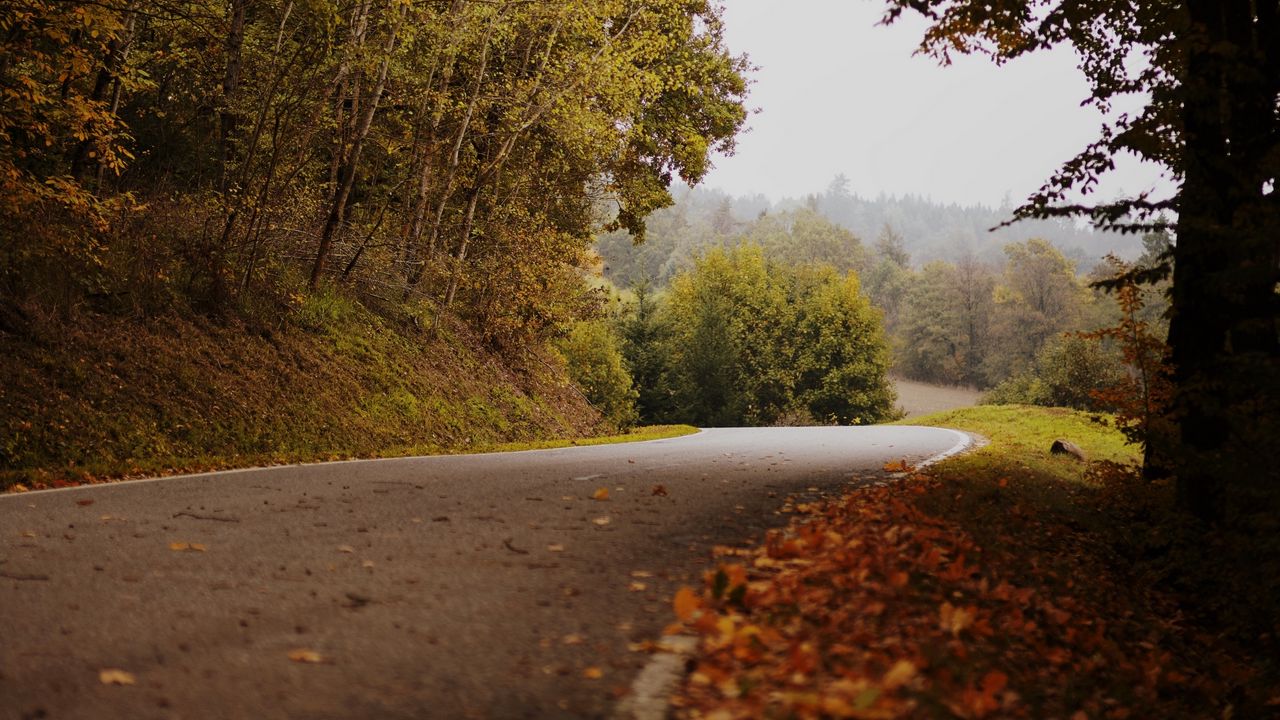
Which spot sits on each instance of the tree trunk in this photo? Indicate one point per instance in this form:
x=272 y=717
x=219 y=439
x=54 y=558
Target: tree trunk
x=230 y=82
x=1222 y=331
x=347 y=173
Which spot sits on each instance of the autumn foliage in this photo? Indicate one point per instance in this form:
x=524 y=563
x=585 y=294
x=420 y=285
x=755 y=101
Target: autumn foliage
x=870 y=606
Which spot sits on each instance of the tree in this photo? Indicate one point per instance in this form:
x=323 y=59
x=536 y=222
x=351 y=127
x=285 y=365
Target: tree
x=840 y=351
x=1038 y=298
x=888 y=276
x=1212 y=81
x=644 y=338
x=594 y=360
x=756 y=341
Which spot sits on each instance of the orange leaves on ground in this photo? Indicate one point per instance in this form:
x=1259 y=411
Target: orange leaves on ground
x=600 y=494
x=980 y=701
x=593 y=673
x=871 y=607
x=897 y=466
x=686 y=603
x=954 y=620
x=179 y=546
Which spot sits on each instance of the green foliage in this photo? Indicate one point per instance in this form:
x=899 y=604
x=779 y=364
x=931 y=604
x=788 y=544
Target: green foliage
x=644 y=338
x=945 y=328
x=594 y=360
x=1038 y=297
x=447 y=153
x=1069 y=371
x=756 y=342
x=841 y=356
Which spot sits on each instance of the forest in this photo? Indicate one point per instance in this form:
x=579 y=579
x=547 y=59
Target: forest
x=383 y=207
x=437 y=157
x=1027 y=325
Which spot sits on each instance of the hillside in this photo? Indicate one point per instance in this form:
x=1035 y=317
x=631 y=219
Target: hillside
x=104 y=395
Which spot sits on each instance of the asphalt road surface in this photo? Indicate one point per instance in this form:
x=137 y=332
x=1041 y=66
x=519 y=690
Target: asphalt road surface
x=438 y=587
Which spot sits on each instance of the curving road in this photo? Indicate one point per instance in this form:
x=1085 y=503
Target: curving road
x=438 y=587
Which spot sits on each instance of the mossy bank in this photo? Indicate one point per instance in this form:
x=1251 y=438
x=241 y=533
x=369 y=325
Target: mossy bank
x=94 y=396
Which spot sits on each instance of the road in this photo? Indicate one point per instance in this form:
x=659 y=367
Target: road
x=438 y=587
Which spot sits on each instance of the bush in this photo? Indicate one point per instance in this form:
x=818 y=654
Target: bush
x=591 y=351
x=1066 y=372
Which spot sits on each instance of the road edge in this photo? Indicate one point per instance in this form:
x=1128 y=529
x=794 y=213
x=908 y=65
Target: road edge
x=649 y=698
x=268 y=468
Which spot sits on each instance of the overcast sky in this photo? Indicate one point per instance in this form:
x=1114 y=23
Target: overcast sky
x=838 y=94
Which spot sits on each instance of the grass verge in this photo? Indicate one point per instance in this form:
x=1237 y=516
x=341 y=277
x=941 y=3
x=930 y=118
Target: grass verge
x=96 y=397
x=640 y=434
x=993 y=584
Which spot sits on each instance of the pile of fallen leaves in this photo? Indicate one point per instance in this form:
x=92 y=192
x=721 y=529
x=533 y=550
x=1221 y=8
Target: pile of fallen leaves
x=870 y=607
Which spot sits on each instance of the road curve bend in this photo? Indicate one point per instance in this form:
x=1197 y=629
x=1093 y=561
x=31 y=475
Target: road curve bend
x=488 y=586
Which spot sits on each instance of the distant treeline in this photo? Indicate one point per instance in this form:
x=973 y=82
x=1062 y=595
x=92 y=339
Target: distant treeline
x=929 y=230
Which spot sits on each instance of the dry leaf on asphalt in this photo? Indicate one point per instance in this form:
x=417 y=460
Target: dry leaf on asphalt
x=686 y=602
x=602 y=521
x=593 y=673
x=115 y=676
x=303 y=655
x=600 y=494
x=179 y=546
x=555 y=547
x=346 y=549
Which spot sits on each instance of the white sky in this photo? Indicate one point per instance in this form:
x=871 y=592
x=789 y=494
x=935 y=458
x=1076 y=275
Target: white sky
x=838 y=94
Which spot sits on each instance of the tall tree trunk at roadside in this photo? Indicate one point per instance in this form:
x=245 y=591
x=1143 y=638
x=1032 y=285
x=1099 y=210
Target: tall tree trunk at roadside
x=1222 y=329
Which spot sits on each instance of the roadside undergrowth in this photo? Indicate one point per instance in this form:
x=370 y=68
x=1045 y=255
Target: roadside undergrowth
x=990 y=585
x=94 y=397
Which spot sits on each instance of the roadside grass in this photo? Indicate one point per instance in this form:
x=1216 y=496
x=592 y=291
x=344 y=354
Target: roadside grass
x=95 y=397
x=1016 y=468
x=640 y=434
x=998 y=583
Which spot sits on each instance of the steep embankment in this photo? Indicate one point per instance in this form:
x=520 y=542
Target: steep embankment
x=109 y=396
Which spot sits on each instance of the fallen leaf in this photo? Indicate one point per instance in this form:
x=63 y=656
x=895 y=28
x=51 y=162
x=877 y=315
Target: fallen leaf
x=641 y=574
x=659 y=490
x=601 y=521
x=900 y=674
x=593 y=673
x=555 y=547
x=572 y=639
x=83 y=503
x=367 y=564
x=686 y=603
x=179 y=546
x=954 y=619
x=346 y=549
x=114 y=676
x=637 y=586
x=600 y=494
x=19 y=488
x=304 y=655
